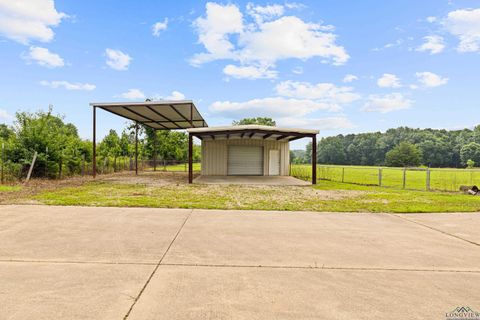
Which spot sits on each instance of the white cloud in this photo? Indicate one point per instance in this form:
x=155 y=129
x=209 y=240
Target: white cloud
x=386 y=103
x=175 y=95
x=226 y=34
x=433 y=44
x=430 y=79
x=349 y=78
x=159 y=27
x=117 y=60
x=465 y=24
x=214 y=29
x=327 y=93
x=327 y=123
x=28 y=20
x=4 y=115
x=388 y=80
x=249 y=72
x=44 y=57
x=431 y=19
x=269 y=107
x=264 y=13
x=68 y=85
x=133 y=94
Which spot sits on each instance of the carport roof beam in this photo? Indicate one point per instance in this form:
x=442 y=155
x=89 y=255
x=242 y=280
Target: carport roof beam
x=158 y=115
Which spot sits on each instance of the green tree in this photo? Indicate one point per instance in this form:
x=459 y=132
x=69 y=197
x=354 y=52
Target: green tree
x=470 y=164
x=403 y=155
x=470 y=151
x=56 y=142
x=258 y=120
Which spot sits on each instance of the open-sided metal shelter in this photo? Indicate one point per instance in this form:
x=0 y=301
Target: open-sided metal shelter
x=249 y=150
x=158 y=115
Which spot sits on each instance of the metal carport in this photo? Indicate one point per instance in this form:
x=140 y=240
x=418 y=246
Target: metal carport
x=158 y=115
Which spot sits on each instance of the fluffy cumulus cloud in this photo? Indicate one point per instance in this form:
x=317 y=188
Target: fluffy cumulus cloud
x=465 y=24
x=433 y=44
x=175 y=95
x=269 y=107
x=28 y=20
x=326 y=93
x=44 y=57
x=430 y=79
x=326 y=123
x=5 y=116
x=296 y=104
x=249 y=72
x=261 y=38
x=388 y=80
x=349 y=78
x=158 y=27
x=386 y=103
x=117 y=60
x=68 y=85
x=133 y=94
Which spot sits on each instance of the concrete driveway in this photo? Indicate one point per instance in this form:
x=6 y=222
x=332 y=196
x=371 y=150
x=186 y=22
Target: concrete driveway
x=119 y=263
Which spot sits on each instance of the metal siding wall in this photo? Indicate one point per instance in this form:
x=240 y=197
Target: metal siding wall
x=215 y=152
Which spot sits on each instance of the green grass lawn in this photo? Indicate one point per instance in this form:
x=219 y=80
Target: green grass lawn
x=4 y=188
x=328 y=196
x=440 y=179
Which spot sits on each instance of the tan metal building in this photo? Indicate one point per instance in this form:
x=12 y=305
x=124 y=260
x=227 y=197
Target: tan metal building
x=249 y=150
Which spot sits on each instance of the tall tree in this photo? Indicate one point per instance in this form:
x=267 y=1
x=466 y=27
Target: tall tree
x=403 y=155
x=470 y=151
x=258 y=120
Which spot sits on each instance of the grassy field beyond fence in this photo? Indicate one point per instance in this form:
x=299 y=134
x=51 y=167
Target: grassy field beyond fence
x=408 y=178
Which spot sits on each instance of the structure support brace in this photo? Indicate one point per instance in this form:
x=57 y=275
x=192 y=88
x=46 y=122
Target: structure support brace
x=136 y=148
x=190 y=158
x=94 y=144
x=154 y=150
x=314 y=159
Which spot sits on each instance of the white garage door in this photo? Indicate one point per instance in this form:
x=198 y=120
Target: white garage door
x=245 y=160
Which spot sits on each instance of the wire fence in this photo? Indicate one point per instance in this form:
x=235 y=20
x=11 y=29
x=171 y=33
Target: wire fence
x=400 y=178
x=11 y=172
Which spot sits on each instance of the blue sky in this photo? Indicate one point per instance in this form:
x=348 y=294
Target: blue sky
x=337 y=66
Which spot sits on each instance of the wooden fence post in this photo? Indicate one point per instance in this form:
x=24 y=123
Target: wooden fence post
x=83 y=164
x=379 y=177
x=428 y=180
x=343 y=174
x=60 y=168
x=31 y=167
x=404 y=177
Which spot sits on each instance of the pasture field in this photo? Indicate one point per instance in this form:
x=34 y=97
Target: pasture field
x=441 y=179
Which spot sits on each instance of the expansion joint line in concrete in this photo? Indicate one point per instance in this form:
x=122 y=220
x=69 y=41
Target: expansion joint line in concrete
x=315 y=268
x=156 y=267
x=438 y=230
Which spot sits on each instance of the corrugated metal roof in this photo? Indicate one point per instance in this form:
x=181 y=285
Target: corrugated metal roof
x=161 y=115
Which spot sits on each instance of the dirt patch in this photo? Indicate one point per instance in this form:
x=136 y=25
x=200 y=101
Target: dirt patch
x=148 y=178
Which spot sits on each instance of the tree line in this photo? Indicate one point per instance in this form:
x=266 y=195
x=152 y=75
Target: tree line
x=59 y=146
x=401 y=146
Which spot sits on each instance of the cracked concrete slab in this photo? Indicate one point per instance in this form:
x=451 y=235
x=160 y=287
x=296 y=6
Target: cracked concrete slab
x=255 y=238
x=45 y=291
x=87 y=233
x=264 y=293
x=463 y=225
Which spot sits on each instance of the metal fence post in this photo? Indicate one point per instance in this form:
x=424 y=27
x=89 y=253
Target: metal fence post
x=379 y=177
x=428 y=180
x=404 y=177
